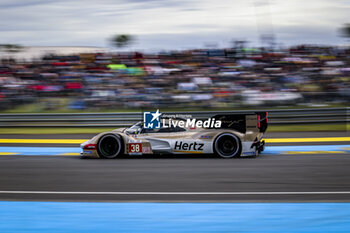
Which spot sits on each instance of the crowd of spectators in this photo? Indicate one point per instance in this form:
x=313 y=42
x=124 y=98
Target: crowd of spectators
x=212 y=78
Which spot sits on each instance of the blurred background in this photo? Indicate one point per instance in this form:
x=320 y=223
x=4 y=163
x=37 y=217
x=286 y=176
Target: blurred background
x=232 y=78
x=130 y=55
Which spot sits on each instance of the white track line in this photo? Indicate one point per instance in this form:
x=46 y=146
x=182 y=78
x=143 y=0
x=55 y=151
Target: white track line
x=176 y=193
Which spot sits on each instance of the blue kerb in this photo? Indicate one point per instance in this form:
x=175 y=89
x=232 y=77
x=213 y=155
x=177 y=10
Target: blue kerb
x=173 y=217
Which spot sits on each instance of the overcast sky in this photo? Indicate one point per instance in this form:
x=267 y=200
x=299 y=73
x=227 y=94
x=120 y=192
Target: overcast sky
x=171 y=24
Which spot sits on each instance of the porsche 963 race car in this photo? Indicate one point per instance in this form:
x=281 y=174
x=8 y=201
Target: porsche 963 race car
x=238 y=135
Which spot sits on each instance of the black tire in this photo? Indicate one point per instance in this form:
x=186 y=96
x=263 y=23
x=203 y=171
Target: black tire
x=227 y=145
x=110 y=146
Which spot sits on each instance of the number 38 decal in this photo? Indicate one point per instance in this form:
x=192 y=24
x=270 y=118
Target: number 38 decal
x=135 y=148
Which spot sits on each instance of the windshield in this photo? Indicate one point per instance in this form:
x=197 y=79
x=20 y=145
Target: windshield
x=135 y=129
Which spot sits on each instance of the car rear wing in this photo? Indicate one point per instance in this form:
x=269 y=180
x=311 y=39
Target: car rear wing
x=263 y=121
x=257 y=121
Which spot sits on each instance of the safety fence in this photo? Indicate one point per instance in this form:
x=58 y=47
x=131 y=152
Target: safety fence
x=276 y=117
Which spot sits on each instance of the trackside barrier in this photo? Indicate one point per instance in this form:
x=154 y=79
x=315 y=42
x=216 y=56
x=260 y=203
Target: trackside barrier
x=276 y=117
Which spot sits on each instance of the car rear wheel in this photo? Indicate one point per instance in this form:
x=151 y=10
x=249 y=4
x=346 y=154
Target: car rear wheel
x=227 y=145
x=109 y=146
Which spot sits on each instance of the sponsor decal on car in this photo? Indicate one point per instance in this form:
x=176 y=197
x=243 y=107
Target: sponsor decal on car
x=146 y=150
x=184 y=146
x=133 y=140
x=249 y=153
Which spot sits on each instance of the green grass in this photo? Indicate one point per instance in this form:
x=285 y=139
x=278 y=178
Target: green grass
x=61 y=107
x=26 y=108
x=56 y=130
x=308 y=128
x=57 y=105
x=272 y=128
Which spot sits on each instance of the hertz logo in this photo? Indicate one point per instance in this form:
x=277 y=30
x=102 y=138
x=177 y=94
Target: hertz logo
x=188 y=146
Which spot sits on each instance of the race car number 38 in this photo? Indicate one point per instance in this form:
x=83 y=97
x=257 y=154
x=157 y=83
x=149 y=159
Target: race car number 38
x=135 y=148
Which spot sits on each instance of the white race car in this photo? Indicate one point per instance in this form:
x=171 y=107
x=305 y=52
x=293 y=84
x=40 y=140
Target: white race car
x=239 y=135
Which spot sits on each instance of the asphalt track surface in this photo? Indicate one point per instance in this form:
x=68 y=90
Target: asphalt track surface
x=268 y=178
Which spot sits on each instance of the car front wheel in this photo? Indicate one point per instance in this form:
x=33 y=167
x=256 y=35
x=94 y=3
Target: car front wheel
x=109 y=146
